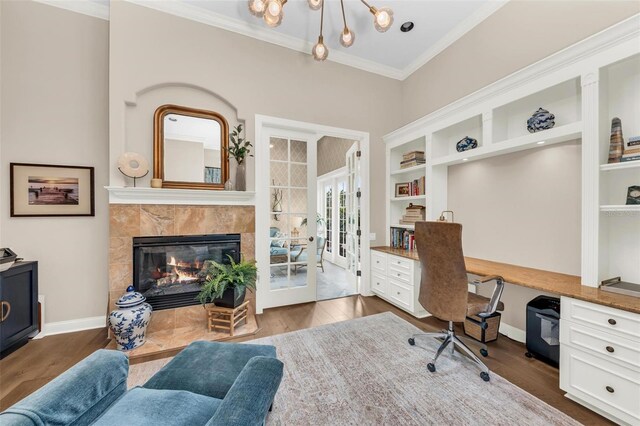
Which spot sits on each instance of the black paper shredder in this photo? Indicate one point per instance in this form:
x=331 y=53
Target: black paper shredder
x=543 y=329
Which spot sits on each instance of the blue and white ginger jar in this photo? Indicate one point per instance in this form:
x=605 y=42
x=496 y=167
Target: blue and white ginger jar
x=540 y=120
x=129 y=322
x=466 y=144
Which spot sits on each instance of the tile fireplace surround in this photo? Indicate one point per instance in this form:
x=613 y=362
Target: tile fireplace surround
x=144 y=220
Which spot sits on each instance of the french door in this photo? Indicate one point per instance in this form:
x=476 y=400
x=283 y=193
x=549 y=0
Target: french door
x=287 y=264
x=353 y=207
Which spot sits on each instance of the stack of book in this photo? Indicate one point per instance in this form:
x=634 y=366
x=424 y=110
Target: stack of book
x=631 y=150
x=402 y=239
x=413 y=214
x=416 y=187
x=411 y=159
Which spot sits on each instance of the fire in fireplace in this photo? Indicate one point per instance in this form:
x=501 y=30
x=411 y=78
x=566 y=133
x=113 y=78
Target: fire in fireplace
x=169 y=271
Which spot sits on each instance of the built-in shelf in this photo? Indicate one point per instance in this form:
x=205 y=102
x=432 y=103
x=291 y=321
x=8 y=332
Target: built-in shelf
x=411 y=198
x=620 y=208
x=620 y=166
x=130 y=195
x=397 y=225
x=419 y=167
x=546 y=137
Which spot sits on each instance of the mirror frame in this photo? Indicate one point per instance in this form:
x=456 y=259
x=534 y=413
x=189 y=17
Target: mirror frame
x=158 y=146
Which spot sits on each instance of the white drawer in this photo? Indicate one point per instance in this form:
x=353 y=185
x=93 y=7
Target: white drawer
x=602 y=317
x=400 y=274
x=608 y=345
x=401 y=263
x=400 y=294
x=378 y=283
x=379 y=262
x=606 y=386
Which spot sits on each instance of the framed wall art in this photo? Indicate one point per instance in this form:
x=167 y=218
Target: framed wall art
x=51 y=190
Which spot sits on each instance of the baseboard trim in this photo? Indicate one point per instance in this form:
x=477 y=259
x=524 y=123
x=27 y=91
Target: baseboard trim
x=60 y=327
x=513 y=332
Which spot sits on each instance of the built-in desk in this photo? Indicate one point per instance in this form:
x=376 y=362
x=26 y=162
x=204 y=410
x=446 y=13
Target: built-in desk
x=599 y=331
x=550 y=282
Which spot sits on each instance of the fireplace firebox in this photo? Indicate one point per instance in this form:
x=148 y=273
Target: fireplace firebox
x=169 y=271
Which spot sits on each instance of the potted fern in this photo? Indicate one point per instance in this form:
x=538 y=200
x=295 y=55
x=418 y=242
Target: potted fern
x=226 y=284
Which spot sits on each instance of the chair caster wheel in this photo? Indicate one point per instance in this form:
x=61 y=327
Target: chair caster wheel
x=485 y=376
x=412 y=341
x=528 y=354
x=431 y=367
x=484 y=352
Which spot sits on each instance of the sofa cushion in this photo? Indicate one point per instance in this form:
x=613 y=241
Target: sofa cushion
x=207 y=368
x=76 y=397
x=145 y=407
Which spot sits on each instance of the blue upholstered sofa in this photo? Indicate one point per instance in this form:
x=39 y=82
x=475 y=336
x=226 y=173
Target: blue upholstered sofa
x=208 y=383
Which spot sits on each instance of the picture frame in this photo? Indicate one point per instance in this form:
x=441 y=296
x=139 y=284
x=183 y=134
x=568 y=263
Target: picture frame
x=402 y=190
x=47 y=190
x=633 y=195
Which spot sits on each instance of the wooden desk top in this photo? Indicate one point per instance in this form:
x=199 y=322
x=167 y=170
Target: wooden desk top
x=550 y=282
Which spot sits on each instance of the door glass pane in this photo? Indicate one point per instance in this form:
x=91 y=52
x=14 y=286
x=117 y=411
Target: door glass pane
x=342 y=215
x=288 y=235
x=328 y=212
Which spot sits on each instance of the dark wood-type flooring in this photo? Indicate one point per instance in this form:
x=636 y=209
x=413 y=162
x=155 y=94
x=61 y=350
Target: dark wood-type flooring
x=38 y=362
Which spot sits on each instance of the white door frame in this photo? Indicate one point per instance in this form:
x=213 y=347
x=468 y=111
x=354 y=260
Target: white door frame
x=262 y=123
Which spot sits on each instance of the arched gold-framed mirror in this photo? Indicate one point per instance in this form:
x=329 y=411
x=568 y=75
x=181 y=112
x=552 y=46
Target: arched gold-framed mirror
x=190 y=148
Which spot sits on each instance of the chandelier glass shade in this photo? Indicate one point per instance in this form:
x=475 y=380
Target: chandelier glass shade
x=272 y=12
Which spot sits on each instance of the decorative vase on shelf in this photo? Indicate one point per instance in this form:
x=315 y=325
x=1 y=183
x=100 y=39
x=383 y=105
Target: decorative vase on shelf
x=616 y=141
x=241 y=172
x=129 y=322
x=466 y=144
x=540 y=120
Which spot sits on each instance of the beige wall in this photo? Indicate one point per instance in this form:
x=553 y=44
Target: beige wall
x=253 y=76
x=518 y=34
x=54 y=111
x=523 y=209
x=332 y=154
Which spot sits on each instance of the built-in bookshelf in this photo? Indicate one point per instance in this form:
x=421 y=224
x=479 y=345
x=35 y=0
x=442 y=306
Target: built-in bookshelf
x=584 y=87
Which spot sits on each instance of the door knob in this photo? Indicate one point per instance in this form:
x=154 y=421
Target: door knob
x=609 y=389
x=4 y=315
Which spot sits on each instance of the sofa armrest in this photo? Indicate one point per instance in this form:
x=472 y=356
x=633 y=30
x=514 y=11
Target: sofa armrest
x=251 y=395
x=78 y=396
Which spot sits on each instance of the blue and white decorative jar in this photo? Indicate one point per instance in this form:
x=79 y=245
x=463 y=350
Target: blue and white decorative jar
x=466 y=144
x=540 y=120
x=129 y=322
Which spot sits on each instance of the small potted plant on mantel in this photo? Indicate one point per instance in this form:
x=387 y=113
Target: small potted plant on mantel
x=239 y=149
x=226 y=284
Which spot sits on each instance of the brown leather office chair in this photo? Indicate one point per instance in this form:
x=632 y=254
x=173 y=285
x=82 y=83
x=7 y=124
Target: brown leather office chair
x=444 y=286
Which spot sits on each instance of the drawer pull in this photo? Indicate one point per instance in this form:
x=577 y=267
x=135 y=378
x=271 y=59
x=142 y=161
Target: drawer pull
x=399 y=263
x=377 y=261
x=398 y=293
x=398 y=274
x=612 y=321
x=4 y=314
x=610 y=349
x=610 y=389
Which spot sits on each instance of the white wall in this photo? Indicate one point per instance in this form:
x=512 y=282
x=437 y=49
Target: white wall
x=54 y=106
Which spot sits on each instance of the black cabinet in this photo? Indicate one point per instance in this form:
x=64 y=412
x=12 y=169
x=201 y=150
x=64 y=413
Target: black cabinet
x=19 y=305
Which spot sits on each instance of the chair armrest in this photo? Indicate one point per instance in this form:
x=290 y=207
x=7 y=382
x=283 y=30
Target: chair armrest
x=78 y=396
x=497 y=292
x=247 y=402
x=295 y=259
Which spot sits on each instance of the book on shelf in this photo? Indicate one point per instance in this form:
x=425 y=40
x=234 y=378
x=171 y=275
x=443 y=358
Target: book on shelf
x=412 y=163
x=626 y=158
x=413 y=213
x=413 y=154
x=401 y=238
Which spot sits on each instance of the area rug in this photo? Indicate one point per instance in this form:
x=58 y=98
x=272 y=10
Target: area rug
x=362 y=372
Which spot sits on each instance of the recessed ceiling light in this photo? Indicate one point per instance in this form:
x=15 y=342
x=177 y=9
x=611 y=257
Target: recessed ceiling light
x=465 y=159
x=406 y=27
x=541 y=142
x=172 y=119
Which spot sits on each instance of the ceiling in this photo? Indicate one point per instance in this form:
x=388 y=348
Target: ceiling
x=395 y=54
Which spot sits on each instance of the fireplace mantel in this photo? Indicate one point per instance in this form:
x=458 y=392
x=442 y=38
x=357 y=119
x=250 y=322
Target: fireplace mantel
x=130 y=195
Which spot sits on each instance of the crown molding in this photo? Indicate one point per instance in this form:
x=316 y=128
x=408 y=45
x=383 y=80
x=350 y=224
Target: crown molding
x=85 y=7
x=454 y=35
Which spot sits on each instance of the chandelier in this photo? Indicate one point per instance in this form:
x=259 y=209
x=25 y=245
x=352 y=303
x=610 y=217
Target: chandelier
x=272 y=12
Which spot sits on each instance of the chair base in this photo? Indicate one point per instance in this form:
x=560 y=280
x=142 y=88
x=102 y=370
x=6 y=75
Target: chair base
x=449 y=338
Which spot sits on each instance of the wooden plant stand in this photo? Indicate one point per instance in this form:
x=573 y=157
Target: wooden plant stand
x=227 y=318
